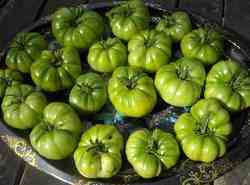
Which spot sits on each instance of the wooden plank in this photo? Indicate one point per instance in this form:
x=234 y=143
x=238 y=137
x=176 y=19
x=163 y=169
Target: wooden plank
x=164 y=4
x=211 y=9
x=32 y=176
x=239 y=175
x=11 y=167
x=17 y=14
x=237 y=17
x=52 y=5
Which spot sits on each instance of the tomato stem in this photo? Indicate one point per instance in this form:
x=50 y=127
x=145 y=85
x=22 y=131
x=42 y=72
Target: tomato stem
x=97 y=146
x=58 y=57
x=168 y=20
x=182 y=72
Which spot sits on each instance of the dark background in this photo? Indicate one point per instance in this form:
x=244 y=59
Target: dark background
x=17 y=14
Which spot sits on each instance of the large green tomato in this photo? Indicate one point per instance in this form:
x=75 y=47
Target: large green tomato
x=7 y=78
x=180 y=83
x=24 y=49
x=89 y=94
x=105 y=56
x=22 y=106
x=77 y=27
x=56 y=70
x=202 y=44
x=230 y=83
x=99 y=152
x=150 y=152
x=128 y=18
x=56 y=136
x=132 y=92
x=175 y=25
x=204 y=131
x=149 y=50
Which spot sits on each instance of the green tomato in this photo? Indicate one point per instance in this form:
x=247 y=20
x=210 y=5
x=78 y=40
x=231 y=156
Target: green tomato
x=56 y=136
x=89 y=94
x=204 y=131
x=149 y=152
x=180 y=83
x=99 y=152
x=132 y=92
x=22 y=106
x=202 y=44
x=228 y=82
x=105 y=56
x=77 y=27
x=175 y=25
x=128 y=18
x=56 y=70
x=149 y=50
x=24 y=49
x=7 y=78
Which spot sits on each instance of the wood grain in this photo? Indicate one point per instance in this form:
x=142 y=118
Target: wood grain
x=211 y=9
x=17 y=15
x=52 y=5
x=237 y=17
x=11 y=166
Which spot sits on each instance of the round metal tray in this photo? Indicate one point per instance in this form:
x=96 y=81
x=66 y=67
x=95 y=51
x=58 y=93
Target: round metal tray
x=186 y=172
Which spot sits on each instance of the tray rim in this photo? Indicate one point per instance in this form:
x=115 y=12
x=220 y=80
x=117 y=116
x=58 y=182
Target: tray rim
x=34 y=159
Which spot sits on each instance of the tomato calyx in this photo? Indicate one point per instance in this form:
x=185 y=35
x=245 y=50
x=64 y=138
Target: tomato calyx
x=20 y=42
x=126 y=11
x=237 y=82
x=58 y=58
x=169 y=21
x=77 y=12
x=205 y=39
x=107 y=44
x=75 y=23
x=202 y=127
x=129 y=83
x=85 y=88
x=47 y=126
x=152 y=147
x=97 y=146
x=149 y=42
x=6 y=81
x=182 y=72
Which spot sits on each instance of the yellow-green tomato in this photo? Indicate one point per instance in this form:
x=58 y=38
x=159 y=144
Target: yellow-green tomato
x=203 y=132
x=23 y=106
x=204 y=45
x=56 y=70
x=149 y=49
x=176 y=25
x=76 y=26
x=89 y=94
x=132 y=92
x=180 y=83
x=150 y=152
x=57 y=134
x=128 y=18
x=229 y=82
x=105 y=56
x=99 y=152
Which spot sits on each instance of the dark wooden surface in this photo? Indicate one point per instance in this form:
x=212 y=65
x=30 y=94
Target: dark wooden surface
x=211 y=9
x=11 y=167
x=17 y=15
x=233 y=14
x=237 y=16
